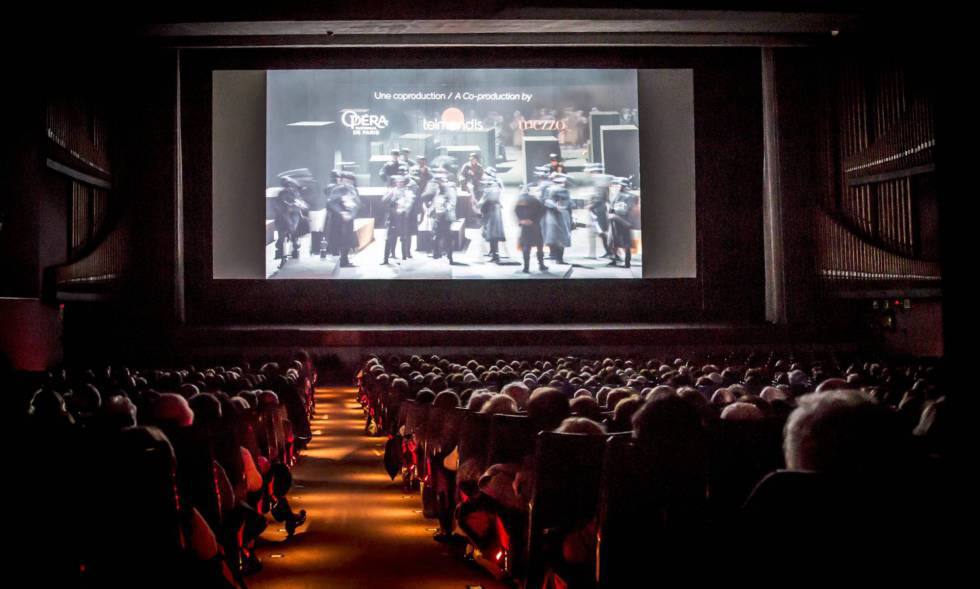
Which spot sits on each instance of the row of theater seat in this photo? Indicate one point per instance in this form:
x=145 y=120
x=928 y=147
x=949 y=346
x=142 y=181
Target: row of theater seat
x=174 y=470
x=598 y=507
x=566 y=492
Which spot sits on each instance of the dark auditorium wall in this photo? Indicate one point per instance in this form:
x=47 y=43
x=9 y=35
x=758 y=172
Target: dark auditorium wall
x=824 y=98
x=140 y=320
x=917 y=331
x=143 y=84
x=162 y=183
x=34 y=205
x=802 y=105
x=96 y=318
x=33 y=213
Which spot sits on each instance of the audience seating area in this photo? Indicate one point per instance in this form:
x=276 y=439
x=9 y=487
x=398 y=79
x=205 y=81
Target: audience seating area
x=171 y=471
x=549 y=473
x=577 y=472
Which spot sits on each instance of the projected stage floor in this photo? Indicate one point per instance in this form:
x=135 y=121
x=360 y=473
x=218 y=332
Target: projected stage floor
x=584 y=259
x=470 y=264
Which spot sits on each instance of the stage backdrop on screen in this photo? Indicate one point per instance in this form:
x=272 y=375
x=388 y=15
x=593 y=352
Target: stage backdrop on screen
x=453 y=174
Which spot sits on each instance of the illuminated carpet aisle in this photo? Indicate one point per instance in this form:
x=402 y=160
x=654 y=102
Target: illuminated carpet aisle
x=362 y=531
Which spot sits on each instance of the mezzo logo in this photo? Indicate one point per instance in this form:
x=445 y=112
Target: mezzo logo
x=363 y=123
x=543 y=125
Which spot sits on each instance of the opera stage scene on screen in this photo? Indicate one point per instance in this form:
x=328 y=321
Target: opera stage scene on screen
x=452 y=174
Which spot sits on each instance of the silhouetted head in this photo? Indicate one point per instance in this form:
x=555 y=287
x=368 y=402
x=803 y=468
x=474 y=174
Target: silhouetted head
x=497 y=404
x=447 y=399
x=581 y=425
x=547 y=407
x=841 y=432
x=172 y=410
x=586 y=406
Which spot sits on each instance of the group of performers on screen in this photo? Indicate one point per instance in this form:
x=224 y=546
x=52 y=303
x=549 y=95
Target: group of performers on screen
x=330 y=214
x=418 y=196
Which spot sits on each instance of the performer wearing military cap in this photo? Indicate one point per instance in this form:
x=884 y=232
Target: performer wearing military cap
x=440 y=196
x=599 y=208
x=529 y=211
x=317 y=199
x=555 y=164
x=400 y=200
x=620 y=227
x=490 y=215
x=393 y=167
x=471 y=176
x=289 y=208
x=344 y=202
x=421 y=175
x=557 y=225
x=406 y=162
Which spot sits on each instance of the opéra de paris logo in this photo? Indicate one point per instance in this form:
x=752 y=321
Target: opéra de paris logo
x=363 y=123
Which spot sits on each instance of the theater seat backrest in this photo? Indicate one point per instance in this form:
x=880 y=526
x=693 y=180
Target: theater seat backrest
x=443 y=430
x=741 y=454
x=650 y=521
x=612 y=565
x=138 y=528
x=196 y=477
x=403 y=410
x=567 y=472
x=249 y=431
x=511 y=438
x=415 y=418
x=474 y=439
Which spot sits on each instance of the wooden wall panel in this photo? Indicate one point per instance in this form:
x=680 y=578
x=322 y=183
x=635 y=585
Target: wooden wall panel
x=885 y=138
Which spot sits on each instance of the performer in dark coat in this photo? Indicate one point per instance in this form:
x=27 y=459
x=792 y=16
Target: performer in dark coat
x=404 y=158
x=529 y=212
x=344 y=202
x=321 y=243
x=317 y=199
x=420 y=175
x=471 y=176
x=621 y=236
x=557 y=224
x=289 y=209
x=400 y=200
x=555 y=164
x=394 y=167
x=441 y=199
x=390 y=204
x=491 y=216
x=599 y=208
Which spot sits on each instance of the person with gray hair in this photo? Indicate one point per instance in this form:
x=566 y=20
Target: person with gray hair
x=581 y=425
x=850 y=484
x=841 y=432
x=517 y=391
x=742 y=411
x=478 y=398
x=499 y=404
x=586 y=406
